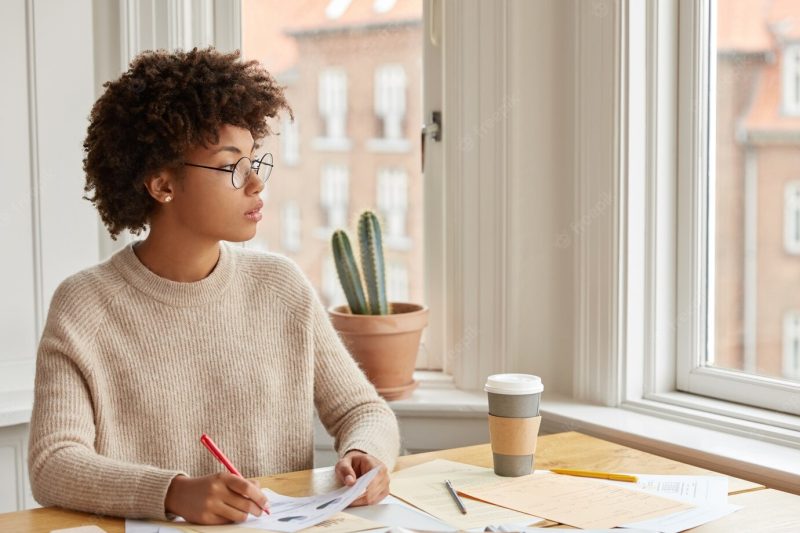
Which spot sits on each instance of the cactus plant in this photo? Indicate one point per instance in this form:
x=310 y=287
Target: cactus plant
x=371 y=244
x=372 y=264
x=347 y=269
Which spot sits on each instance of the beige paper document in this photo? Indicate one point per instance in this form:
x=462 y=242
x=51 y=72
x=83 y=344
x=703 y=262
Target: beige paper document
x=423 y=487
x=576 y=502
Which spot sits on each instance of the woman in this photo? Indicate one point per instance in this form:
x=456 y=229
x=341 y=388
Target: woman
x=182 y=334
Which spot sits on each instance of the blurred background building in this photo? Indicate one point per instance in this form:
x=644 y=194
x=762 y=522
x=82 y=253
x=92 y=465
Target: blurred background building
x=352 y=71
x=757 y=196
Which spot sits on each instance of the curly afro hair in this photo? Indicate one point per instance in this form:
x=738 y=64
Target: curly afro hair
x=165 y=104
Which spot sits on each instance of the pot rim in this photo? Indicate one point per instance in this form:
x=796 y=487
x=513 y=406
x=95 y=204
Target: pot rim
x=334 y=310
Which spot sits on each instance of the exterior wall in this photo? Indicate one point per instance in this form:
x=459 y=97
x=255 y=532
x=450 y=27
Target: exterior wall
x=735 y=83
x=778 y=272
x=359 y=53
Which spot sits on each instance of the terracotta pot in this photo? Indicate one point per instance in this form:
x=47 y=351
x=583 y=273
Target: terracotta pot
x=384 y=346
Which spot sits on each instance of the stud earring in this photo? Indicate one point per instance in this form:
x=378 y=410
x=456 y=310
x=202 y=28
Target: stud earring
x=168 y=199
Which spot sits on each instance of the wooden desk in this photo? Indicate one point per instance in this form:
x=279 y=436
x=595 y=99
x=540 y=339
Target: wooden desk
x=765 y=509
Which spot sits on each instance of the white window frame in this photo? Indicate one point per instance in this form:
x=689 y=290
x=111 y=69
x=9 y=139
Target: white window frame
x=791 y=344
x=791 y=217
x=637 y=284
x=696 y=205
x=467 y=219
x=790 y=79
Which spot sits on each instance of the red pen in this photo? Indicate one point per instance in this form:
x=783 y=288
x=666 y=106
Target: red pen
x=216 y=452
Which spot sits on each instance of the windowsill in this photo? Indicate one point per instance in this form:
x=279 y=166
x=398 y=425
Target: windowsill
x=437 y=396
x=389 y=146
x=730 y=448
x=769 y=463
x=332 y=144
x=15 y=407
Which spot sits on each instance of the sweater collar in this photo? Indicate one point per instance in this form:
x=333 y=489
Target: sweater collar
x=176 y=293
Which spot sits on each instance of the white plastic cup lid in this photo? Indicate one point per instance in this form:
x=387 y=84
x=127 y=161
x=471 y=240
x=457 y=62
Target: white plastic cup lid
x=515 y=384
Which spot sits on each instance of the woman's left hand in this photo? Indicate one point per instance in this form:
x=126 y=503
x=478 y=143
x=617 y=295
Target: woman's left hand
x=355 y=464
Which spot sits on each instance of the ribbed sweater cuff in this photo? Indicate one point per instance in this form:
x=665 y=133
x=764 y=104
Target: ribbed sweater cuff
x=150 y=492
x=386 y=457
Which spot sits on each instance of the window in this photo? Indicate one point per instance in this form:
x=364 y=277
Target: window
x=397 y=282
x=791 y=218
x=738 y=206
x=791 y=78
x=292 y=227
x=290 y=141
x=326 y=53
x=334 y=195
x=791 y=345
x=333 y=102
x=393 y=205
x=331 y=288
x=390 y=99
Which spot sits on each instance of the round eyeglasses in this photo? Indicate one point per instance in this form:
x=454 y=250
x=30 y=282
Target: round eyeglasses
x=241 y=170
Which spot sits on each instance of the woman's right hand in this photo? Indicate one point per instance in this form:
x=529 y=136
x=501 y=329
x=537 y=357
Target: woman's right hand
x=215 y=499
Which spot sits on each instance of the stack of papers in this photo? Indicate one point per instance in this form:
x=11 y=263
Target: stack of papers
x=423 y=487
x=667 y=504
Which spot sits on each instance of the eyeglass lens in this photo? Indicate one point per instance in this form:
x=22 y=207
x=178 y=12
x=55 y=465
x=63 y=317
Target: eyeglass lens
x=262 y=167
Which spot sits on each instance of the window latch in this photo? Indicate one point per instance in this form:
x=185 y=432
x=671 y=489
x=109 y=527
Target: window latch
x=434 y=130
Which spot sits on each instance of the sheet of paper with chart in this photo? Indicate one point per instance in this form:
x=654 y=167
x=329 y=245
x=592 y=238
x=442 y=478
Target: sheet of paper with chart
x=575 y=501
x=288 y=514
x=423 y=487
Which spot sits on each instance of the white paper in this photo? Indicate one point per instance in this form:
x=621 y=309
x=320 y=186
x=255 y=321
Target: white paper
x=697 y=490
x=686 y=519
x=288 y=514
x=708 y=493
x=140 y=526
x=400 y=515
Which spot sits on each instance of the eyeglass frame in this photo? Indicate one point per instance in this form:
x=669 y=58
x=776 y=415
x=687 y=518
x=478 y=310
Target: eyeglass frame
x=232 y=171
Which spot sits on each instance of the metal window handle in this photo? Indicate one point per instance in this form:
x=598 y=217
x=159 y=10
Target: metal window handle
x=434 y=129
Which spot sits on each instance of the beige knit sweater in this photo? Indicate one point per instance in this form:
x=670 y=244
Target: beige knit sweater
x=132 y=368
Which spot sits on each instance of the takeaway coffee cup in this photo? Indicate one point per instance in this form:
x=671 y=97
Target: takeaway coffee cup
x=514 y=421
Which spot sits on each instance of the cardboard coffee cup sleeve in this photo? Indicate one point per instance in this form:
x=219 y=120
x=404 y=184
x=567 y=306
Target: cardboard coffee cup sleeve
x=514 y=436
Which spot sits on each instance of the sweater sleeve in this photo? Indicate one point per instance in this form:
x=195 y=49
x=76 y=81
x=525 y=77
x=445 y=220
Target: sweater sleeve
x=65 y=469
x=347 y=403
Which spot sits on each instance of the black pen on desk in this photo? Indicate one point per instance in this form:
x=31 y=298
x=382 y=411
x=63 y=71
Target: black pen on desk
x=455 y=496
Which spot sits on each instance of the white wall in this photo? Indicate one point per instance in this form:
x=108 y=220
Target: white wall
x=47 y=231
x=542 y=208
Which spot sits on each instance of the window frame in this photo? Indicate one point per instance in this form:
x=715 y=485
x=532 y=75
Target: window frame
x=790 y=79
x=791 y=217
x=696 y=232
x=635 y=306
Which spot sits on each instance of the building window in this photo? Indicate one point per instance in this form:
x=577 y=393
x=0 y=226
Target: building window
x=390 y=99
x=791 y=345
x=397 y=282
x=334 y=195
x=291 y=226
x=290 y=141
x=791 y=79
x=393 y=205
x=333 y=102
x=331 y=288
x=791 y=218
